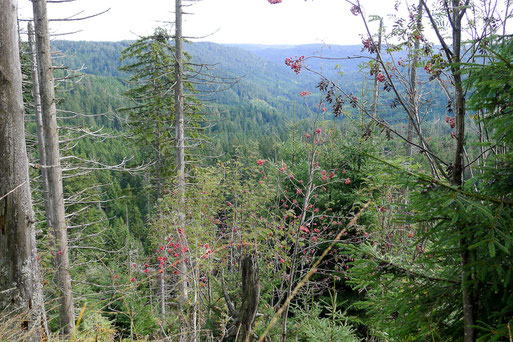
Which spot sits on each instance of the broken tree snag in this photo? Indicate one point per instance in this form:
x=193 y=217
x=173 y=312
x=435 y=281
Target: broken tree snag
x=250 y=296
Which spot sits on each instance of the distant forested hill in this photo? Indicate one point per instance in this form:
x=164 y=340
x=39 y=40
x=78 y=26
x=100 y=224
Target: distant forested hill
x=261 y=69
x=255 y=77
x=97 y=58
x=331 y=60
x=261 y=96
x=258 y=100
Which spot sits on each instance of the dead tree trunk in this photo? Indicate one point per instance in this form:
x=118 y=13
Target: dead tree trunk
x=180 y=140
x=250 y=296
x=375 y=96
x=241 y=328
x=20 y=288
x=162 y=290
x=55 y=190
x=39 y=123
x=414 y=92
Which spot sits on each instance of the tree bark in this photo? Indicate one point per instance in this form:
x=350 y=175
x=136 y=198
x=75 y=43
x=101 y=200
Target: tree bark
x=20 y=288
x=250 y=296
x=414 y=93
x=162 y=289
x=180 y=142
x=243 y=319
x=456 y=11
x=375 y=96
x=53 y=165
x=39 y=123
x=469 y=305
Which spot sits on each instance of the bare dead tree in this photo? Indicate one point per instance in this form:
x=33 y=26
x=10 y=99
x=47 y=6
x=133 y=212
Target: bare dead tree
x=375 y=94
x=76 y=204
x=413 y=91
x=53 y=165
x=243 y=319
x=20 y=287
x=180 y=145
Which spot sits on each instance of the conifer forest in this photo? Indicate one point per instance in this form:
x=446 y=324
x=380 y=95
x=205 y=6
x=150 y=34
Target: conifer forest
x=167 y=189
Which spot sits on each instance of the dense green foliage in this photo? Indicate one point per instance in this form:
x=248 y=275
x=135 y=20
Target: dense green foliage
x=408 y=268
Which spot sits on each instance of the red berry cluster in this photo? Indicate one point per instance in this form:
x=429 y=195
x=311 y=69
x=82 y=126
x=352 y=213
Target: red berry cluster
x=381 y=78
x=325 y=175
x=355 y=10
x=368 y=45
x=353 y=101
x=451 y=121
x=272 y=2
x=295 y=64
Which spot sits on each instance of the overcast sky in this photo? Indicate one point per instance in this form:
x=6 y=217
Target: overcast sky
x=223 y=21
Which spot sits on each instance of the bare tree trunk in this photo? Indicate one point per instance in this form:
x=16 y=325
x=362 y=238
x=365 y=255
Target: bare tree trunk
x=55 y=191
x=469 y=334
x=455 y=15
x=37 y=114
x=469 y=305
x=458 y=178
x=39 y=126
x=250 y=296
x=162 y=285
x=159 y=161
x=20 y=287
x=459 y=110
x=180 y=141
x=376 y=82
x=194 y=308
x=414 y=93
x=243 y=319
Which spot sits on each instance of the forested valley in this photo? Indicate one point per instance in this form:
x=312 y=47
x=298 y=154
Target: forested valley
x=163 y=189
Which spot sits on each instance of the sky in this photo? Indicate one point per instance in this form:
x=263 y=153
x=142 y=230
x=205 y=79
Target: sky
x=291 y=22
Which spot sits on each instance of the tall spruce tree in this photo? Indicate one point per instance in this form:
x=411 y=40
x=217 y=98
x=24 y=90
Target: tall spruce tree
x=151 y=117
x=491 y=238
x=150 y=62
x=165 y=117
